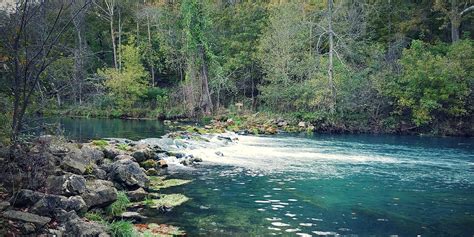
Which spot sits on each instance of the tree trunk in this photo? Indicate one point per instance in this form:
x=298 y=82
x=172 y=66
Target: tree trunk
x=149 y=44
x=331 y=53
x=455 y=18
x=206 y=96
x=112 y=35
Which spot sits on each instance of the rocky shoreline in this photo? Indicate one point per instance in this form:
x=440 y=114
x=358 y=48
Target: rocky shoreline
x=64 y=188
x=54 y=187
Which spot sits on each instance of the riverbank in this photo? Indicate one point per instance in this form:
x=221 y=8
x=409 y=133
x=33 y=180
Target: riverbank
x=99 y=188
x=266 y=122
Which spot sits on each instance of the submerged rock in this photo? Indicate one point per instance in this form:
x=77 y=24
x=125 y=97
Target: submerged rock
x=134 y=216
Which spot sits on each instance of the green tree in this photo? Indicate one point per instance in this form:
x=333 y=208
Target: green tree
x=434 y=83
x=129 y=84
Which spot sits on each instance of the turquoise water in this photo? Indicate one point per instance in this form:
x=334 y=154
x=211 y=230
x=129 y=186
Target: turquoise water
x=348 y=185
x=96 y=128
x=355 y=185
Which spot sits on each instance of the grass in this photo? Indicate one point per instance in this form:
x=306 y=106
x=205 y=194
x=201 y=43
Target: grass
x=100 y=143
x=94 y=216
x=123 y=147
x=122 y=229
x=119 y=206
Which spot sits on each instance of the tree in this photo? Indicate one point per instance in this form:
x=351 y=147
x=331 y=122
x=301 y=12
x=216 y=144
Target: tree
x=434 y=83
x=198 y=51
x=30 y=44
x=129 y=84
x=454 y=11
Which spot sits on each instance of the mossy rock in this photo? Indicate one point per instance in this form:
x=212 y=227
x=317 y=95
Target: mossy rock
x=168 y=200
x=157 y=183
x=148 y=164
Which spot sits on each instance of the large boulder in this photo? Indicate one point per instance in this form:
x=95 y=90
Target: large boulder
x=49 y=205
x=92 y=153
x=76 y=162
x=79 y=227
x=129 y=174
x=112 y=152
x=26 y=217
x=26 y=197
x=67 y=185
x=99 y=193
x=143 y=154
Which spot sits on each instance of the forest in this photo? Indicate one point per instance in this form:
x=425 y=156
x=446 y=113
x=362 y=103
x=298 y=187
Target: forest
x=345 y=66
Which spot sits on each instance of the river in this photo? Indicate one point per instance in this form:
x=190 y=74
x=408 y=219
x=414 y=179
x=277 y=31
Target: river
x=303 y=185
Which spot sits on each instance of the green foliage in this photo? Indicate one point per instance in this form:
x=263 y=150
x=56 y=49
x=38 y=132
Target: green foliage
x=123 y=147
x=100 y=143
x=122 y=229
x=433 y=85
x=127 y=85
x=94 y=216
x=119 y=206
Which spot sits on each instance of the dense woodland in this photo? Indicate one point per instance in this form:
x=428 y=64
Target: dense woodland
x=345 y=66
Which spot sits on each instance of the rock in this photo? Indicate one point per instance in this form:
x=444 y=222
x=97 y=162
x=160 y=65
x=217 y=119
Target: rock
x=160 y=156
x=137 y=195
x=76 y=162
x=99 y=173
x=77 y=204
x=282 y=124
x=151 y=172
x=134 y=216
x=50 y=204
x=27 y=228
x=311 y=127
x=176 y=154
x=26 y=217
x=162 y=164
x=93 y=153
x=149 y=164
x=124 y=157
x=79 y=227
x=128 y=174
x=99 y=193
x=4 y=205
x=218 y=153
x=301 y=124
x=143 y=154
x=64 y=216
x=197 y=159
x=68 y=185
x=111 y=152
x=26 y=197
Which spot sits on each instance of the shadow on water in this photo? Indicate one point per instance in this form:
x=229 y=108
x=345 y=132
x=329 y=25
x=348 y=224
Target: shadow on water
x=94 y=128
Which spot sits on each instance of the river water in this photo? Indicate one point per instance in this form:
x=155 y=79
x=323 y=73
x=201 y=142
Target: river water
x=303 y=185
